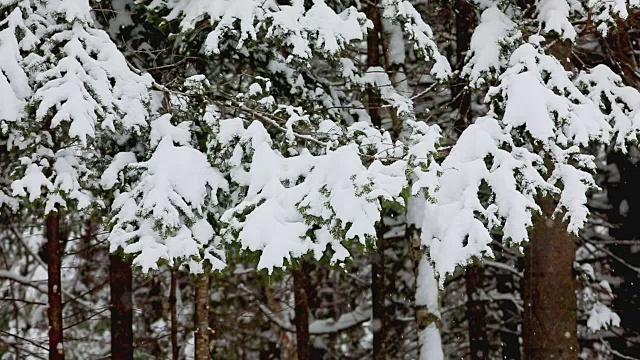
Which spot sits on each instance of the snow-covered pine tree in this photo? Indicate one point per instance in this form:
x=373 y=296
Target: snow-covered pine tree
x=534 y=142
x=293 y=166
x=71 y=100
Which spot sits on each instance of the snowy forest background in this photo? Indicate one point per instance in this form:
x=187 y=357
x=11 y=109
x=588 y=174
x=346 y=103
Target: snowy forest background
x=319 y=179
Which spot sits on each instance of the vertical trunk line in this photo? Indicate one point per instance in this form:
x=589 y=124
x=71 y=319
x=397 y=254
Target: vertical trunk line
x=202 y=315
x=550 y=316
x=474 y=277
x=54 y=249
x=373 y=59
x=301 y=314
x=464 y=20
x=121 y=308
x=174 y=315
x=377 y=261
x=378 y=298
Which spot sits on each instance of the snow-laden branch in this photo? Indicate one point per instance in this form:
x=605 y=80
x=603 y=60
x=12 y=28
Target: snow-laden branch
x=322 y=327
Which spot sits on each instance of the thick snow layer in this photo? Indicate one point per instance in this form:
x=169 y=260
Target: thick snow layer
x=288 y=197
x=554 y=15
x=485 y=56
x=319 y=27
x=175 y=188
x=457 y=226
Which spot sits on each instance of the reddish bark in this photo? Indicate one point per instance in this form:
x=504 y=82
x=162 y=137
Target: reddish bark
x=121 y=308
x=54 y=262
x=301 y=314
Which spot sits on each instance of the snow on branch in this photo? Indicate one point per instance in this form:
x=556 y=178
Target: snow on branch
x=315 y=201
x=164 y=215
x=301 y=31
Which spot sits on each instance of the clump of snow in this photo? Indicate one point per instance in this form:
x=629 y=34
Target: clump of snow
x=335 y=192
x=485 y=56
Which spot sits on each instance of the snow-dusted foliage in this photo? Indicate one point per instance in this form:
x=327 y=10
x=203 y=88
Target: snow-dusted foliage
x=494 y=33
x=418 y=32
x=214 y=133
x=298 y=151
x=164 y=215
x=606 y=12
x=457 y=225
x=534 y=142
x=595 y=298
x=69 y=93
x=553 y=16
x=298 y=179
x=619 y=103
x=291 y=25
x=305 y=203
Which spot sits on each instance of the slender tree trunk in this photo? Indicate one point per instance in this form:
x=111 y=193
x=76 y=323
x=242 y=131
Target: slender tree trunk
x=476 y=313
x=202 y=316
x=301 y=314
x=377 y=259
x=465 y=20
x=379 y=319
x=550 y=318
x=121 y=308
x=174 y=316
x=54 y=249
x=373 y=59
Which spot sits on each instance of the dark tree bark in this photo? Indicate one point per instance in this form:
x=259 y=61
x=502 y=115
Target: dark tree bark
x=465 y=20
x=54 y=265
x=202 y=316
x=378 y=294
x=476 y=313
x=121 y=308
x=174 y=316
x=510 y=317
x=550 y=316
x=377 y=259
x=373 y=59
x=301 y=314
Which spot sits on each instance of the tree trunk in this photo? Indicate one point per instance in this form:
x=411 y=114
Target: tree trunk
x=373 y=59
x=121 y=308
x=202 y=316
x=476 y=313
x=550 y=317
x=510 y=316
x=174 y=316
x=378 y=323
x=465 y=20
x=54 y=262
x=301 y=314
x=377 y=259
